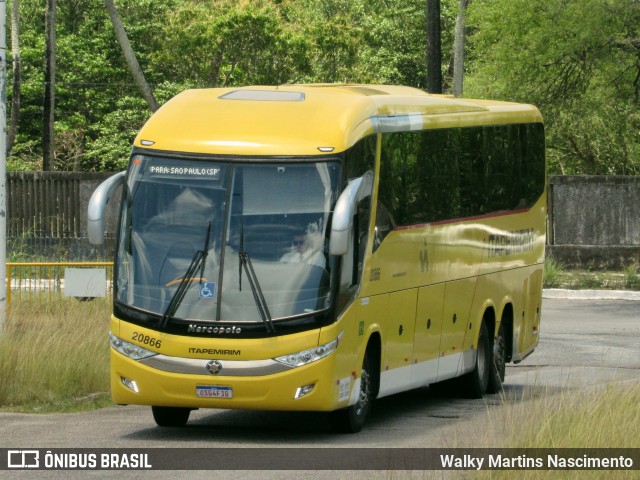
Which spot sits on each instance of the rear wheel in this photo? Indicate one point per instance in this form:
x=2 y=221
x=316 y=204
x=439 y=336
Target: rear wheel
x=496 y=377
x=352 y=419
x=476 y=381
x=170 y=416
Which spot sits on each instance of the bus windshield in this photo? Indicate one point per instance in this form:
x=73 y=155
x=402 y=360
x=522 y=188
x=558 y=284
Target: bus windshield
x=214 y=241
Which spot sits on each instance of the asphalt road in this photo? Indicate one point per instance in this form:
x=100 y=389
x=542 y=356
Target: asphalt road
x=583 y=343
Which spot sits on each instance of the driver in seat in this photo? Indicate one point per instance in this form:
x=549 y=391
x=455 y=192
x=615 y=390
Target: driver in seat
x=304 y=249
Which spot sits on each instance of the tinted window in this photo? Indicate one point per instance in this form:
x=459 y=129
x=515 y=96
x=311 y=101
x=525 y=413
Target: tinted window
x=361 y=158
x=436 y=175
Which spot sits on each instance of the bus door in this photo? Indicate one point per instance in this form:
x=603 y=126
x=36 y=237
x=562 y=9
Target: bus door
x=399 y=334
x=428 y=331
x=458 y=298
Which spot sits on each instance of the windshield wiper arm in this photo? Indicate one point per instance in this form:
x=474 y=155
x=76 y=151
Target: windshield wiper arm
x=258 y=296
x=198 y=261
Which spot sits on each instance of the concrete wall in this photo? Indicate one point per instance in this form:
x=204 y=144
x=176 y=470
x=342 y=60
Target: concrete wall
x=594 y=221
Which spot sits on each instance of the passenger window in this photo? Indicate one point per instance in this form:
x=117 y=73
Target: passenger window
x=361 y=235
x=384 y=225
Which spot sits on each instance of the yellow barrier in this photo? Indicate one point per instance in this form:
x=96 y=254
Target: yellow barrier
x=46 y=278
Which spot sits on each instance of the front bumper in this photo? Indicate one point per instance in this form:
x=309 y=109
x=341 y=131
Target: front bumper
x=266 y=389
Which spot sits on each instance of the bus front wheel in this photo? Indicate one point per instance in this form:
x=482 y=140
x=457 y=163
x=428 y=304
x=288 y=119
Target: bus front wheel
x=170 y=416
x=352 y=419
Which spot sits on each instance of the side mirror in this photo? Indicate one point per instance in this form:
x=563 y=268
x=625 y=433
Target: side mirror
x=97 y=207
x=345 y=209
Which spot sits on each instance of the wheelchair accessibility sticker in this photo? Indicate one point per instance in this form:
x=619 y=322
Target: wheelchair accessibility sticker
x=208 y=290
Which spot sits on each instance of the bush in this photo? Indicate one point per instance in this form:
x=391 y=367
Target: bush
x=631 y=277
x=552 y=271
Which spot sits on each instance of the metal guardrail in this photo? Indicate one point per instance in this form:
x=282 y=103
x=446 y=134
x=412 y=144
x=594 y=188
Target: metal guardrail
x=45 y=280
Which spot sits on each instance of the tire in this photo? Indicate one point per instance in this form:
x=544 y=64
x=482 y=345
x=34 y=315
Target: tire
x=475 y=382
x=170 y=416
x=497 y=371
x=353 y=418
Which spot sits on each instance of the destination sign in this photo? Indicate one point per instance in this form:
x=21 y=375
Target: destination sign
x=212 y=173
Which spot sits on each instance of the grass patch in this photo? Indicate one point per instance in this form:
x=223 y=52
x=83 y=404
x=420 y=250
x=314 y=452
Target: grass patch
x=54 y=355
x=551 y=273
x=588 y=418
x=556 y=276
x=632 y=278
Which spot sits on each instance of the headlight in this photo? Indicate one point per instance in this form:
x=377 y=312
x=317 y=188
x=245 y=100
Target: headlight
x=129 y=349
x=309 y=356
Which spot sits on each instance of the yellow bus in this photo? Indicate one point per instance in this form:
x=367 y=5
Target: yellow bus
x=313 y=248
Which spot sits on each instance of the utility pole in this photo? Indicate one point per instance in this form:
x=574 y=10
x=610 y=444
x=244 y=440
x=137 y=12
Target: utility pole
x=434 y=47
x=3 y=165
x=458 y=50
x=48 y=107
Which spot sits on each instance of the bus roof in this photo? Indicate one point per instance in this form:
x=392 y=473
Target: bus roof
x=309 y=119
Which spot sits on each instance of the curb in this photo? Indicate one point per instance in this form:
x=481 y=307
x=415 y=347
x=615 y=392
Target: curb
x=590 y=294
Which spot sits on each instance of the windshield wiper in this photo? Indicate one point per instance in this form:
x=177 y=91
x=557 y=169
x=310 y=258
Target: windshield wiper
x=198 y=261
x=258 y=296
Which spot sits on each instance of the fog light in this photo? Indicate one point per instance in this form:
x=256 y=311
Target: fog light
x=302 y=391
x=130 y=384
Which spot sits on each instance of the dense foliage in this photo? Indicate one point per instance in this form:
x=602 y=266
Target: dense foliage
x=578 y=60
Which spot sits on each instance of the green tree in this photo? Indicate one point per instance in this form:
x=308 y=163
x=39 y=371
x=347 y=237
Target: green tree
x=579 y=61
x=333 y=30
x=370 y=41
x=224 y=43
x=92 y=79
x=130 y=56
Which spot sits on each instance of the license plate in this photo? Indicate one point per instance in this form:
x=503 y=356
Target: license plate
x=211 y=391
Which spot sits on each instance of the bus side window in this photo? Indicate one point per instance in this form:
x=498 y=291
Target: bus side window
x=361 y=236
x=384 y=225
